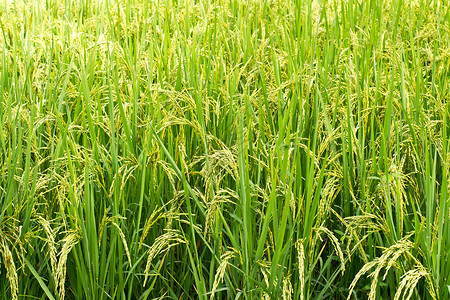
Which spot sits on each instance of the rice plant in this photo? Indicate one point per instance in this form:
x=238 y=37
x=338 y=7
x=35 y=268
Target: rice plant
x=224 y=149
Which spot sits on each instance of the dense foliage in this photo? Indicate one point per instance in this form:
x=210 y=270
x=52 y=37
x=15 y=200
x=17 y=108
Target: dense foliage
x=228 y=149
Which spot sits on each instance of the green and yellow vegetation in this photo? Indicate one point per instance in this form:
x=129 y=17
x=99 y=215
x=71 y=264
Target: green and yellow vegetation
x=229 y=149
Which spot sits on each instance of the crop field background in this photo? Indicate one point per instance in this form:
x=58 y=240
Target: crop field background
x=229 y=149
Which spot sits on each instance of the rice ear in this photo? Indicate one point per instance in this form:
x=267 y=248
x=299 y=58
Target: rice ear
x=162 y=244
x=11 y=271
x=220 y=272
x=301 y=266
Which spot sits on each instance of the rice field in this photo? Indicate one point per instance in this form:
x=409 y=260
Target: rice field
x=224 y=149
